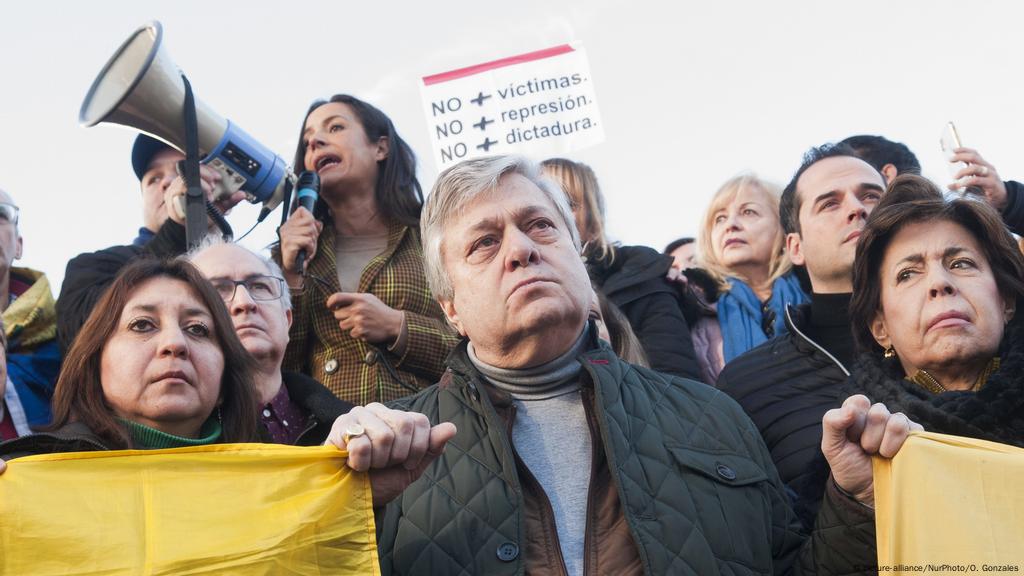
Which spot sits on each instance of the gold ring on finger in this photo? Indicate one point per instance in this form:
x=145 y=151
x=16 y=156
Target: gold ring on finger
x=353 y=431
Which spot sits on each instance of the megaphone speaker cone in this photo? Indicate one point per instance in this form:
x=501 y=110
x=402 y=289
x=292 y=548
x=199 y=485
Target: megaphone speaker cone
x=121 y=74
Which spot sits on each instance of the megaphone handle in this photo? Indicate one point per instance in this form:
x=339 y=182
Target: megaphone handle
x=195 y=199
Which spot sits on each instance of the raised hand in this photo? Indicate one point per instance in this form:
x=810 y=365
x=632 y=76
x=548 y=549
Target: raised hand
x=852 y=434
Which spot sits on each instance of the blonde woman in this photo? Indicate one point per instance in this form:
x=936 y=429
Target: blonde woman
x=633 y=278
x=742 y=248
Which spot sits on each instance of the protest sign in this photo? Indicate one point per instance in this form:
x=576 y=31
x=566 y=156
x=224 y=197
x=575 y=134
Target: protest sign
x=540 y=104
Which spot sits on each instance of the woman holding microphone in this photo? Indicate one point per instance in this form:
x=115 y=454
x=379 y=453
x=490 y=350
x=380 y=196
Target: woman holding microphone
x=366 y=324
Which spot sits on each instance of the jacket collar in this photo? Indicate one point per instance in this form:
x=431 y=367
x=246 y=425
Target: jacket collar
x=470 y=378
x=313 y=397
x=32 y=318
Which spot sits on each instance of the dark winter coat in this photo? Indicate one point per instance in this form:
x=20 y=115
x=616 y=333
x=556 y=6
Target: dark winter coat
x=88 y=275
x=1013 y=213
x=635 y=281
x=698 y=490
x=316 y=400
x=786 y=385
x=73 y=437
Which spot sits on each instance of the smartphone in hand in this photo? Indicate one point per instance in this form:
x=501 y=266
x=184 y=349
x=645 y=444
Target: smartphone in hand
x=949 y=142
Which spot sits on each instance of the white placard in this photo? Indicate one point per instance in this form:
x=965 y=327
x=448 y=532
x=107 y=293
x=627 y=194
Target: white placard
x=540 y=104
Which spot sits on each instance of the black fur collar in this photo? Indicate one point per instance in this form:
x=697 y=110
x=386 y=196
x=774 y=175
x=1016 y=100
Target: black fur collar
x=996 y=412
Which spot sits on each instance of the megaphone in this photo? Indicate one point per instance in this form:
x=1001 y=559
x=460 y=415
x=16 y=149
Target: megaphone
x=140 y=87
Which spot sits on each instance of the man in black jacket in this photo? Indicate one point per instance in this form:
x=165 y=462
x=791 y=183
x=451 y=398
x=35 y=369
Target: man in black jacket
x=295 y=409
x=788 y=383
x=162 y=234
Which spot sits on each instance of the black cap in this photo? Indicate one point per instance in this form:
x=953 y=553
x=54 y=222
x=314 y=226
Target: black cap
x=143 y=150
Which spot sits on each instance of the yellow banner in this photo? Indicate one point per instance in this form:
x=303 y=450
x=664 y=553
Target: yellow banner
x=948 y=504
x=223 y=509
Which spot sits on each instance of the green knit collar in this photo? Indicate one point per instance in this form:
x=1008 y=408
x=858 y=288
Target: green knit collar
x=147 y=438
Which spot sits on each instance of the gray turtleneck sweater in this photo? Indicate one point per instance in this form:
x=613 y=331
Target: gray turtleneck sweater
x=551 y=435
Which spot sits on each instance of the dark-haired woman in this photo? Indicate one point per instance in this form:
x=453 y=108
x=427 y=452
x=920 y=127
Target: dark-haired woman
x=937 y=285
x=156 y=365
x=366 y=325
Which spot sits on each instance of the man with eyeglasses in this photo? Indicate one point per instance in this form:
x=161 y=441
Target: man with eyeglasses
x=295 y=409
x=162 y=234
x=32 y=358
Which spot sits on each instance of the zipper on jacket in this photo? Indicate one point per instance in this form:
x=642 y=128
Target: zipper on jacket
x=792 y=326
x=309 y=428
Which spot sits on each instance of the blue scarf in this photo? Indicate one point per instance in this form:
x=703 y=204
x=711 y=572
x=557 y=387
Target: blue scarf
x=739 y=313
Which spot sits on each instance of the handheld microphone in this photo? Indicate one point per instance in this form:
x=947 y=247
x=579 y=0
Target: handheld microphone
x=309 y=190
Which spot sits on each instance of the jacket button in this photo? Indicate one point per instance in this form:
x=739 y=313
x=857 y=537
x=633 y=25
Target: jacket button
x=331 y=366
x=726 y=472
x=508 y=552
x=371 y=358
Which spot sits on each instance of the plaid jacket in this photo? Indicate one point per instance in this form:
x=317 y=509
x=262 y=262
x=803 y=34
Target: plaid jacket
x=354 y=370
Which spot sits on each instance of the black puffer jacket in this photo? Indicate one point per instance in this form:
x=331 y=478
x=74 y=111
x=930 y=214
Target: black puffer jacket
x=634 y=280
x=88 y=275
x=786 y=385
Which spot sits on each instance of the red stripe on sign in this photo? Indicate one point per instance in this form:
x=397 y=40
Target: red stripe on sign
x=511 y=60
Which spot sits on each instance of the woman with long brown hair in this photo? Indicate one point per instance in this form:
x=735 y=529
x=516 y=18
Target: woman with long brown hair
x=156 y=365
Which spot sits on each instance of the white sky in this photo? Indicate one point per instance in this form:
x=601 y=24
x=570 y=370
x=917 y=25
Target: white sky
x=690 y=92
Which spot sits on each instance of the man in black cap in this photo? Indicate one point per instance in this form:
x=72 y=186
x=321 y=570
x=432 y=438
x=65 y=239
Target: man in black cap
x=162 y=234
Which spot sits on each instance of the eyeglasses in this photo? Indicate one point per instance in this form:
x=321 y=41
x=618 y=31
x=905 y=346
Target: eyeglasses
x=260 y=288
x=8 y=213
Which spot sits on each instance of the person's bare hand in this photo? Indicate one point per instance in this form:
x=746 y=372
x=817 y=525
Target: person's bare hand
x=174 y=195
x=366 y=317
x=852 y=434
x=299 y=232
x=395 y=446
x=979 y=175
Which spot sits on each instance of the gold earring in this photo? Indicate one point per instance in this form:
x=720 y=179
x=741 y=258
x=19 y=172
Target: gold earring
x=890 y=352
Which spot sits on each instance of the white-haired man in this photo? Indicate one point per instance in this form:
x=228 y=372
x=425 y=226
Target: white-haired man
x=568 y=460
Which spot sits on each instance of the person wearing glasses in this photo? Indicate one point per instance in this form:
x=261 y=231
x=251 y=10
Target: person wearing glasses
x=294 y=408
x=29 y=317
